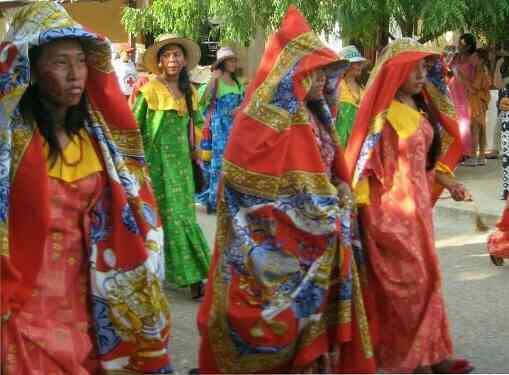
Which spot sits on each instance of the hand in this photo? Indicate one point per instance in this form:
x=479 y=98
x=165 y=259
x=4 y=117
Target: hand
x=504 y=104
x=459 y=193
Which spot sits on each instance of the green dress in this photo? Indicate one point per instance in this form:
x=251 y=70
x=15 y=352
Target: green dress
x=348 y=107
x=163 y=121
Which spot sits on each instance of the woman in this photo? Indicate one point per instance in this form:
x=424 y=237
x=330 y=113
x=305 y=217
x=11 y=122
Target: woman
x=479 y=99
x=350 y=94
x=285 y=286
x=501 y=80
x=81 y=255
x=166 y=112
x=405 y=134
x=462 y=70
x=222 y=96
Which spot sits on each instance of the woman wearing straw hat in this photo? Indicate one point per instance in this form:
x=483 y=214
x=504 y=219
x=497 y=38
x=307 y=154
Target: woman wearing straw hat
x=163 y=111
x=222 y=96
x=351 y=92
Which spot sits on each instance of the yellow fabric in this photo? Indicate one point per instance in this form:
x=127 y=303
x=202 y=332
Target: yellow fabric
x=361 y=192
x=88 y=165
x=347 y=96
x=442 y=168
x=404 y=119
x=159 y=98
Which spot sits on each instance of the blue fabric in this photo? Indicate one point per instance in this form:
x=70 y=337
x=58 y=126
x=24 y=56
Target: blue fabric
x=220 y=125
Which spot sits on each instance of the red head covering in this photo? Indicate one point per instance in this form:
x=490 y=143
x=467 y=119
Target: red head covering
x=391 y=71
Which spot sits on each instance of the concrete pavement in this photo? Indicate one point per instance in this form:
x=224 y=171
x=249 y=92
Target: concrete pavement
x=485 y=184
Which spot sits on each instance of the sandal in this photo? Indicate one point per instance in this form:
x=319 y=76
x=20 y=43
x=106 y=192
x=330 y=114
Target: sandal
x=457 y=366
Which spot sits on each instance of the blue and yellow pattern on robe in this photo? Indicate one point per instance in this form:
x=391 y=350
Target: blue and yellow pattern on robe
x=228 y=98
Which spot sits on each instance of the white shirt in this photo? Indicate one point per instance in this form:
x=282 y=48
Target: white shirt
x=126 y=74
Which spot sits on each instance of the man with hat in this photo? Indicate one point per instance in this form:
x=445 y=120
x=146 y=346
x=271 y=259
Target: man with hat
x=351 y=92
x=125 y=69
x=167 y=113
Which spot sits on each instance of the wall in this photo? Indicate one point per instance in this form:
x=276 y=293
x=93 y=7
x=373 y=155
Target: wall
x=101 y=17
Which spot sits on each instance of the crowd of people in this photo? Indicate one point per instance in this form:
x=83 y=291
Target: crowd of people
x=324 y=258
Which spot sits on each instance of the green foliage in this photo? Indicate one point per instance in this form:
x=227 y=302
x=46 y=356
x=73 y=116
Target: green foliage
x=362 y=20
x=183 y=17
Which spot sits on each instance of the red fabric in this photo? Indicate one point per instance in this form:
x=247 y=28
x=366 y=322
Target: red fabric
x=388 y=81
x=405 y=276
x=257 y=148
x=59 y=303
x=498 y=242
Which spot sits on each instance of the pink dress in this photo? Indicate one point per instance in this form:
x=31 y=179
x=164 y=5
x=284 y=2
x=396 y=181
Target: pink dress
x=52 y=334
x=405 y=277
x=461 y=103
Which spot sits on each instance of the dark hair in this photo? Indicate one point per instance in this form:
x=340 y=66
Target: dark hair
x=32 y=104
x=222 y=67
x=184 y=83
x=320 y=109
x=436 y=144
x=470 y=41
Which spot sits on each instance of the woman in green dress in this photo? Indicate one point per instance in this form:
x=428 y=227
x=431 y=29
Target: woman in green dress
x=162 y=110
x=350 y=94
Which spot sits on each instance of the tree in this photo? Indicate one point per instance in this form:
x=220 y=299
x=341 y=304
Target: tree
x=369 y=21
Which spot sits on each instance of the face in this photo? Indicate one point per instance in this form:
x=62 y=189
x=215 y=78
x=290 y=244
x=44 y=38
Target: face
x=463 y=46
x=172 y=60
x=230 y=65
x=318 y=80
x=475 y=59
x=415 y=82
x=126 y=56
x=61 y=72
x=355 y=69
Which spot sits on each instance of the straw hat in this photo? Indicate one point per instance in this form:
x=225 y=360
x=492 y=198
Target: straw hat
x=352 y=54
x=224 y=53
x=192 y=51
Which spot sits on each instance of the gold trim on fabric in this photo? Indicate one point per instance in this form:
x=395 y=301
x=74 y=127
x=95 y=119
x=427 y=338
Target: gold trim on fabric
x=270 y=187
x=259 y=108
x=403 y=45
x=360 y=312
x=21 y=138
x=441 y=101
x=128 y=141
x=4 y=240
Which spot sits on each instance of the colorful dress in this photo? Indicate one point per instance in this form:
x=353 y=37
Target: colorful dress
x=389 y=147
x=460 y=99
x=60 y=301
x=503 y=120
x=93 y=298
x=348 y=107
x=164 y=125
x=285 y=290
x=228 y=97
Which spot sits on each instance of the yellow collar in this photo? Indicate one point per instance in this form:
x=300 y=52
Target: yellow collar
x=347 y=96
x=79 y=148
x=404 y=119
x=159 y=98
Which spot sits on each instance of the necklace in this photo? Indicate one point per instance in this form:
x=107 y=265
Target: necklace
x=73 y=163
